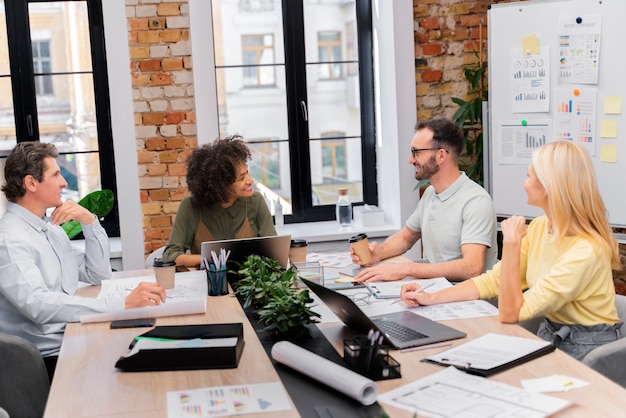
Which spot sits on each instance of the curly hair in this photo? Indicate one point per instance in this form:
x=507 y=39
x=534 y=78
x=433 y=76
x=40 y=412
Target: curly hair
x=213 y=168
x=26 y=158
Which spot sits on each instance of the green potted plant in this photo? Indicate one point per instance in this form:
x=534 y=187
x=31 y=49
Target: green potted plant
x=269 y=289
x=469 y=118
x=98 y=202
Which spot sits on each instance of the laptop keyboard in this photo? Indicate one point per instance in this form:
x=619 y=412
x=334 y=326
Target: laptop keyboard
x=398 y=331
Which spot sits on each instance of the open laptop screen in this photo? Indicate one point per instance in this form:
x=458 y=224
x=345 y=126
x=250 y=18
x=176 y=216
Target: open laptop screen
x=276 y=247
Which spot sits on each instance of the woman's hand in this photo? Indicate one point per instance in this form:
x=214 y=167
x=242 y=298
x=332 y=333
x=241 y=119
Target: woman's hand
x=145 y=294
x=514 y=229
x=413 y=296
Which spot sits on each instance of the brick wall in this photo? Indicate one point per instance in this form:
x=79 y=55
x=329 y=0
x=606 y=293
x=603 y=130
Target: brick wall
x=160 y=65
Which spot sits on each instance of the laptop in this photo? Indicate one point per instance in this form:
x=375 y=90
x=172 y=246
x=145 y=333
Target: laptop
x=276 y=247
x=400 y=329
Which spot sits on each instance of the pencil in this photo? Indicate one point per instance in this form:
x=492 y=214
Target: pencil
x=421 y=289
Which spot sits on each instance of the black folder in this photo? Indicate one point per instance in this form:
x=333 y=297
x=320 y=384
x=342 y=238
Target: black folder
x=195 y=358
x=469 y=356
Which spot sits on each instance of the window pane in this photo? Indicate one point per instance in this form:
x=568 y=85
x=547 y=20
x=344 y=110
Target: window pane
x=238 y=25
x=67 y=118
x=328 y=24
x=260 y=117
x=60 y=34
x=7 y=121
x=258 y=53
x=336 y=163
x=333 y=106
x=270 y=170
x=82 y=173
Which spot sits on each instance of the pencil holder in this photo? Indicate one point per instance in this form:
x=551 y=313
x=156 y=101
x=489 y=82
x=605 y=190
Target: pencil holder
x=216 y=280
x=372 y=361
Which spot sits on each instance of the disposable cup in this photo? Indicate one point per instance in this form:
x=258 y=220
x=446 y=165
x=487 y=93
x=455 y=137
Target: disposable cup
x=360 y=245
x=297 y=252
x=165 y=272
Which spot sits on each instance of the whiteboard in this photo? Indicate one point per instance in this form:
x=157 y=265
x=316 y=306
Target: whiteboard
x=514 y=128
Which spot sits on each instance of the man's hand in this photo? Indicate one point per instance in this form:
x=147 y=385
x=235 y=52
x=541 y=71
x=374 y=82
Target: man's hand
x=374 y=250
x=383 y=272
x=413 y=296
x=69 y=211
x=145 y=294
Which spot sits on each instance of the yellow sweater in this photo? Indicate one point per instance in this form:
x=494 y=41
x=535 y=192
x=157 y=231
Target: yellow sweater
x=568 y=283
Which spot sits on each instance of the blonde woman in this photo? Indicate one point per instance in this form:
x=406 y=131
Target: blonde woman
x=560 y=265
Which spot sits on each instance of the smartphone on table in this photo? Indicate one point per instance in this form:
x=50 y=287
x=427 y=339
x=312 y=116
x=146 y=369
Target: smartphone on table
x=133 y=323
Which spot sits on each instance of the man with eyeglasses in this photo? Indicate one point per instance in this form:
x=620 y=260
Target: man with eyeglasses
x=455 y=217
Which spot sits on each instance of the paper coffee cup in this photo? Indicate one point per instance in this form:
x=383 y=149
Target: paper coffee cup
x=297 y=251
x=165 y=272
x=361 y=247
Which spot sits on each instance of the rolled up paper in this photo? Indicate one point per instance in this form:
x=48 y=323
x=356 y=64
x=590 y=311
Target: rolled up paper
x=325 y=371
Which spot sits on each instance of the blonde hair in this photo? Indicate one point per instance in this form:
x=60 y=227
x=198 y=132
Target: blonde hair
x=566 y=172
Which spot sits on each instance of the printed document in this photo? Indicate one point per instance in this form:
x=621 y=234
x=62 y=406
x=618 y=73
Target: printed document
x=189 y=296
x=222 y=401
x=452 y=393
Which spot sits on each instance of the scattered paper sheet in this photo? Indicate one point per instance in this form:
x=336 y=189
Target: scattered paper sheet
x=452 y=393
x=386 y=290
x=554 y=383
x=336 y=260
x=222 y=401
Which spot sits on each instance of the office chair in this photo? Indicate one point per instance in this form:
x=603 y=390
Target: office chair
x=609 y=358
x=158 y=253
x=24 y=383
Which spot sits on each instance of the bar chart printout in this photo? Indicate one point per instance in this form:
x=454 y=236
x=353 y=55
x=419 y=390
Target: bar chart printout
x=518 y=140
x=574 y=116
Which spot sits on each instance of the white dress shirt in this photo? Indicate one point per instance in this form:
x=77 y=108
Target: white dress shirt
x=39 y=275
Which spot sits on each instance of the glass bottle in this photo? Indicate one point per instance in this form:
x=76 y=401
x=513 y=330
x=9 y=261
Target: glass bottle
x=344 y=208
x=279 y=217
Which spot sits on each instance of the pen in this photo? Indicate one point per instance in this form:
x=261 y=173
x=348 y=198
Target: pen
x=421 y=289
x=425 y=347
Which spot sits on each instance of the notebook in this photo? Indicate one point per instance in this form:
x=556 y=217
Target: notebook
x=400 y=329
x=276 y=247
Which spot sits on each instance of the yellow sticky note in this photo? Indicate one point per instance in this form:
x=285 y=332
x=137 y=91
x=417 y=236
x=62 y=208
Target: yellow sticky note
x=612 y=105
x=608 y=128
x=608 y=153
x=530 y=45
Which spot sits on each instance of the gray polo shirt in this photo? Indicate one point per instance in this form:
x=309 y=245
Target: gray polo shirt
x=461 y=214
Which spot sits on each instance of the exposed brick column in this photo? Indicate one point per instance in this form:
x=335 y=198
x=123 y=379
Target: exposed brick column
x=447 y=32
x=165 y=121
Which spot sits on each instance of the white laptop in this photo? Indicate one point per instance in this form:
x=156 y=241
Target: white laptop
x=276 y=247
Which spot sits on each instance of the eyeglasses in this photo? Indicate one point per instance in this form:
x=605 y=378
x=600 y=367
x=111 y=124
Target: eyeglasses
x=415 y=151
x=361 y=298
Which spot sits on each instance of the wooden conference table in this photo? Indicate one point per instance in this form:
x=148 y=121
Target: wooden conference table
x=86 y=383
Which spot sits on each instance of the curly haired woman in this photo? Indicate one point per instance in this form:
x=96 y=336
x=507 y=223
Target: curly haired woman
x=222 y=204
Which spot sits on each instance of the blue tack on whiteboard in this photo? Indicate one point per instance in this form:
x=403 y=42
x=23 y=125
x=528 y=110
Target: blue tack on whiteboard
x=579 y=20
